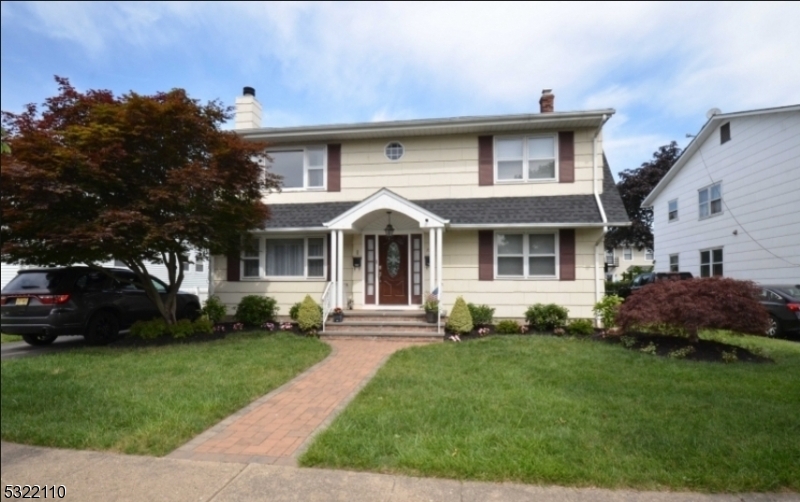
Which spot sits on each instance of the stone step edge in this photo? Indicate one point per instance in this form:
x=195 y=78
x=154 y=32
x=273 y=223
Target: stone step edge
x=387 y=334
x=375 y=322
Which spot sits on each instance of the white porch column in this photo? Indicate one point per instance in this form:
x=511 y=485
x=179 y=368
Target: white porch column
x=432 y=258
x=340 y=270
x=439 y=261
x=332 y=265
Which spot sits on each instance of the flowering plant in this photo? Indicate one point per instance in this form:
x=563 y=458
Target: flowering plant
x=337 y=310
x=287 y=326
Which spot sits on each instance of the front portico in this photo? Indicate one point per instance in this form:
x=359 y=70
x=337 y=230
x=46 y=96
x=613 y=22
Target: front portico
x=394 y=244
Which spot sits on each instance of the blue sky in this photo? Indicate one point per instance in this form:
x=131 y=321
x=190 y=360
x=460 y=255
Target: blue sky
x=660 y=65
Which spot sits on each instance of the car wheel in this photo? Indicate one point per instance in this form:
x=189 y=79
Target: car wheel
x=39 y=340
x=103 y=328
x=774 y=328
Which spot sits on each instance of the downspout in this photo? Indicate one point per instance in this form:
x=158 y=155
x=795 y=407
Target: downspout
x=602 y=212
x=210 y=287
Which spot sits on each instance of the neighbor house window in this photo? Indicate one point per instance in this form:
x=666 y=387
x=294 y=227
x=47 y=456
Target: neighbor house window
x=301 y=168
x=648 y=254
x=628 y=254
x=673 y=210
x=710 y=200
x=186 y=266
x=725 y=133
x=119 y=263
x=525 y=158
x=198 y=264
x=610 y=258
x=526 y=255
x=302 y=257
x=674 y=264
x=251 y=258
x=711 y=262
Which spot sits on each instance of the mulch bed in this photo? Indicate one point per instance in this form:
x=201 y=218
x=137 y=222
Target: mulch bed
x=662 y=345
x=221 y=330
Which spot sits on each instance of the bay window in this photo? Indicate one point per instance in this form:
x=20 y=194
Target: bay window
x=303 y=168
x=526 y=255
x=526 y=158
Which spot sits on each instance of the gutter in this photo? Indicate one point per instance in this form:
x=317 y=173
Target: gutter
x=602 y=213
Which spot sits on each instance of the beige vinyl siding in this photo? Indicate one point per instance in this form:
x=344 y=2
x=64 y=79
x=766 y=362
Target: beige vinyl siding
x=435 y=168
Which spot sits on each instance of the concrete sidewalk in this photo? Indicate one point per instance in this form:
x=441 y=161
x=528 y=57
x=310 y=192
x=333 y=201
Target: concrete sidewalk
x=93 y=476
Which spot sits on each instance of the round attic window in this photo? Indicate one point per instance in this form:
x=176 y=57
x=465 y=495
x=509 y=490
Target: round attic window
x=394 y=150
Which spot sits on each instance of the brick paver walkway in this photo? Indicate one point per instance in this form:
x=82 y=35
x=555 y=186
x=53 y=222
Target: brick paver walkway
x=276 y=428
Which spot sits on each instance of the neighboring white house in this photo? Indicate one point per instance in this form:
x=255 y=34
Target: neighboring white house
x=730 y=205
x=506 y=210
x=619 y=260
x=195 y=275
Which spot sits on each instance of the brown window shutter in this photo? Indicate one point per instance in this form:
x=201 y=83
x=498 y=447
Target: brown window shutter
x=566 y=157
x=233 y=267
x=335 y=168
x=485 y=255
x=485 y=160
x=567 y=253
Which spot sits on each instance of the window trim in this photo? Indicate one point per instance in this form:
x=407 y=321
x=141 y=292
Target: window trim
x=711 y=261
x=650 y=252
x=262 y=259
x=386 y=150
x=526 y=159
x=526 y=255
x=305 y=149
x=627 y=253
x=677 y=257
x=710 y=200
x=669 y=211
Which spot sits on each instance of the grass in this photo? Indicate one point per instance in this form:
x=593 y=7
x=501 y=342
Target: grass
x=575 y=412
x=9 y=338
x=144 y=400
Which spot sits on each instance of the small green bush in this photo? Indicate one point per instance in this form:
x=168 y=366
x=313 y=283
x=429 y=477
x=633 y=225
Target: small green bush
x=607 y=309
x=309 y=315
x=580 y=327
x=149 y=330
x=294 y=311
x=203 y=326
x=508 y=327
x=460 y=320
x=214 y=309
x=482 y=315
x=255 y=310
x=181 y=329
x=548 y=317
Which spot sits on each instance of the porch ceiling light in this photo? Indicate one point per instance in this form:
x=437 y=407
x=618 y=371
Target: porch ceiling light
x=389 y=230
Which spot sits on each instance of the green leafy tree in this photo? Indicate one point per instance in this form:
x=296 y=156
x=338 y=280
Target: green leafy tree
x=634 y=186
x=133 y=177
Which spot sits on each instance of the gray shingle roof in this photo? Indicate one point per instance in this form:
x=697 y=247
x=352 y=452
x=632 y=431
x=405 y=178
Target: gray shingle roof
x=612 y=202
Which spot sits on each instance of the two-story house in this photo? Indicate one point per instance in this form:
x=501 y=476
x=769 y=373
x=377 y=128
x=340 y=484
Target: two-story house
x=621 y=259
x=505 y=210
x=729 y=206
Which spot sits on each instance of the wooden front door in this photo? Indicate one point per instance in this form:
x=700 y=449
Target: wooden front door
x=393 y=270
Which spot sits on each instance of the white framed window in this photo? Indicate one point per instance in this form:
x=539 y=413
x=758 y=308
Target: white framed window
x=301 y=168
x=186 y=266
x=394 y=150
x=251 y=258
x=674 y=263
x=627 y=254
x=526 y=158
x=285 y=257
x=526 y=255
x=672 y=210
x=710 y=200
x=198 y=263
x=711 y=263
x=610 y=258
x=119 y=263
x=648 y=254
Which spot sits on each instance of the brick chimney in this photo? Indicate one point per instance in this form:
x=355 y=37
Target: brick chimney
x=248 y=110
x=547 y=101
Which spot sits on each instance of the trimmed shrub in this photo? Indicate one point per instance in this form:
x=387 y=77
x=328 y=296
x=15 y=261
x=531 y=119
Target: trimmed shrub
x=580 y=327
x=214 y=309
x=685 y=307
x=203 y=326
x=255 y=310
x=548 y=317
x=607 y=309
x=181 y=329
x=149 y=330
x=295 y=310
x=309 y=315
x=460 y=320
x=482 y=315
x=508 y=327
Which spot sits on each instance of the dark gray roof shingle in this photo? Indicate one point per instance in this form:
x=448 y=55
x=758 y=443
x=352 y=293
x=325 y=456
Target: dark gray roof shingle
x=612 y=202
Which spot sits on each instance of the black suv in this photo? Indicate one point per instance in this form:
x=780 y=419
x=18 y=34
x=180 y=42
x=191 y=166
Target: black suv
x=45 y=303
x=643 y=280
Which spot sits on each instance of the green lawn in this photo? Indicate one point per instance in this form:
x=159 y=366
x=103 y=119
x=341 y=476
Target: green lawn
x=575 y=412
x=144 y=400
x=9 y=338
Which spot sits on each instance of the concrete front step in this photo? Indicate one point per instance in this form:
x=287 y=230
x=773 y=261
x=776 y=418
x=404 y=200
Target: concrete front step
x=381 y=326
x=388 y=335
